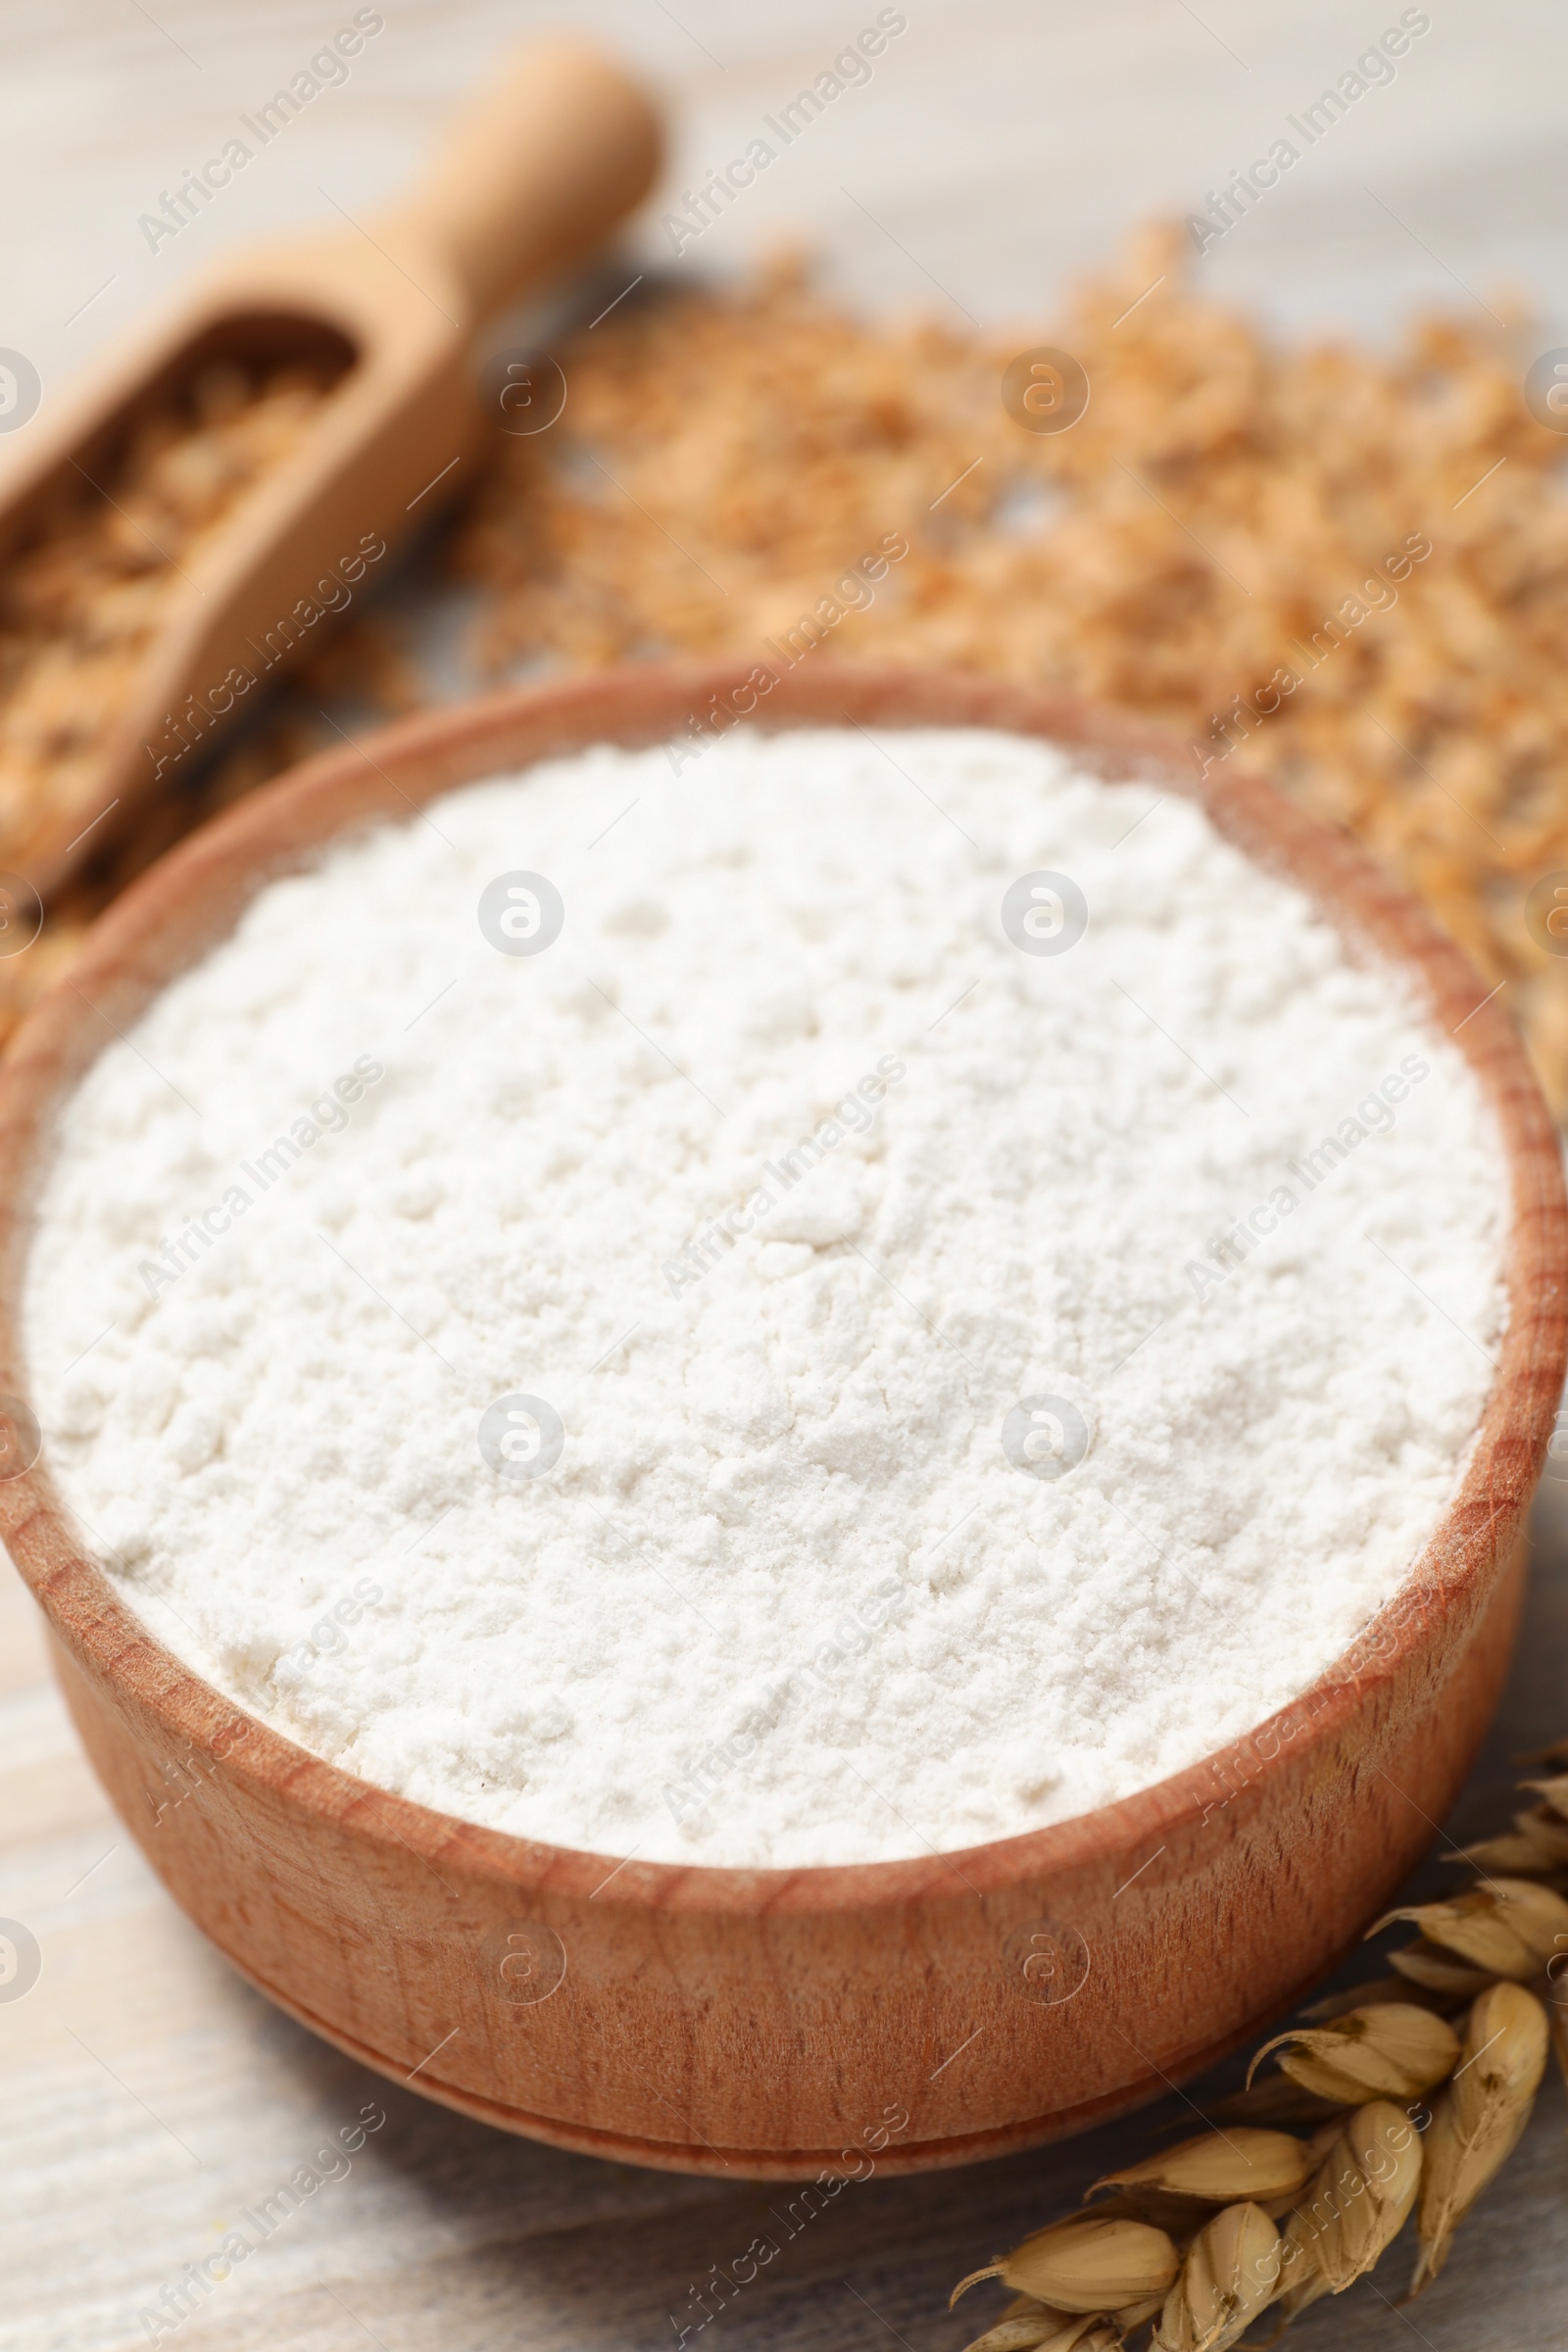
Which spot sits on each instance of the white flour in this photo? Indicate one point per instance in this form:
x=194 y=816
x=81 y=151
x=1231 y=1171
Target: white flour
x=784 y=1597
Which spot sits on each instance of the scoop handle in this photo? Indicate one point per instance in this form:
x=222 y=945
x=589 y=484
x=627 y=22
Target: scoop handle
x=537 y=172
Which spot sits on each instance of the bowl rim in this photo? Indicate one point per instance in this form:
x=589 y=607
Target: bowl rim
x=188 y=899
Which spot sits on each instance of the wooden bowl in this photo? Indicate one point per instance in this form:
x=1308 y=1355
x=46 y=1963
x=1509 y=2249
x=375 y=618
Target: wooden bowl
x=782 y=2023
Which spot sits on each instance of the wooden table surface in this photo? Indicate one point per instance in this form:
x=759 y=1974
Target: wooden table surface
x=147 y=2098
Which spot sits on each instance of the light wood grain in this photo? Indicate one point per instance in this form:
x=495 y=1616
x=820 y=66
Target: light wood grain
x=1005 y=148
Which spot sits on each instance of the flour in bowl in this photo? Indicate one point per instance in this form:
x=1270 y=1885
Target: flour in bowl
x=866 y=1295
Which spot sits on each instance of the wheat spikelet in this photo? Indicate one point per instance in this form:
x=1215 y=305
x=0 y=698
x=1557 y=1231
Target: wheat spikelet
x=1478 y=2120
x=1436 y=1971
x=1555 y=1791
x=1536 y=1846
x=1390 y=2050
x=1220 y=2168
x=1509 y=1927
x=1029 y=2325
x=1154 y=2244
x=1231 y=2273
x=1357 y=2206
x=1102 y=2263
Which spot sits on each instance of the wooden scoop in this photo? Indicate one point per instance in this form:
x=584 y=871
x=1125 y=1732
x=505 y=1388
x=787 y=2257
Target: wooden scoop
x=384 y=314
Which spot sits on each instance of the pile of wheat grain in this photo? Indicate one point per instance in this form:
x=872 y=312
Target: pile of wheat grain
x=84 y=598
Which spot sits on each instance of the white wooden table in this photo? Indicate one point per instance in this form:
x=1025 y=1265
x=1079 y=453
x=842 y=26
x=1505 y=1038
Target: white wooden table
x=146 y=2096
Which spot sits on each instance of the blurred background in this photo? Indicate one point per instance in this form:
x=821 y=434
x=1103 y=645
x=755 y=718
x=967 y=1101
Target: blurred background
x=1267 y=417
x=1007 y=147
